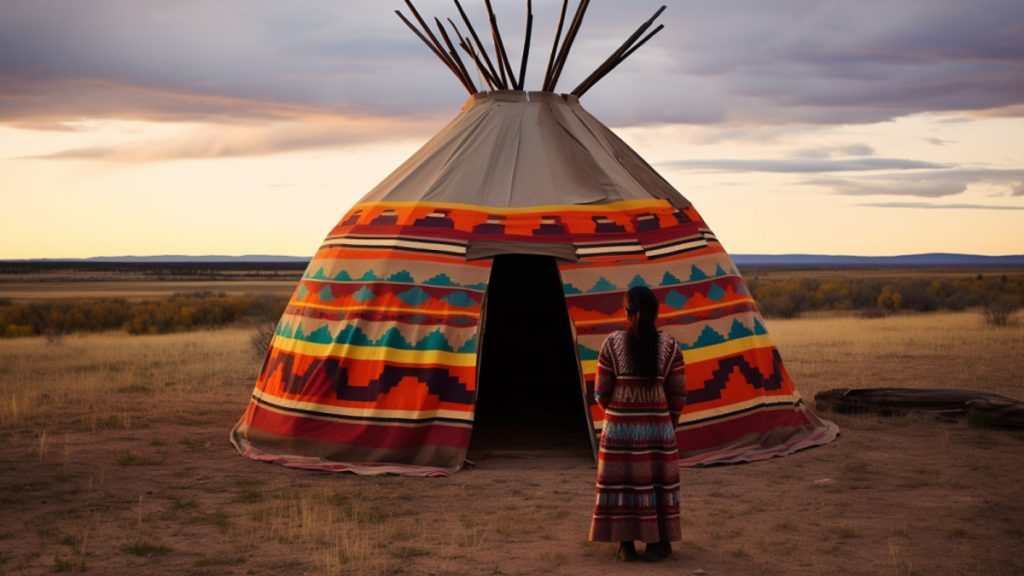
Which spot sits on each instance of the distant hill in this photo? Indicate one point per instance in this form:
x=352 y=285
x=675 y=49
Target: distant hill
x=937 y=259
x=740 y=259
x=178 y=258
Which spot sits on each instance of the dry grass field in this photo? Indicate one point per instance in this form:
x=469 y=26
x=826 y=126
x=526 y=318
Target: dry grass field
x=32 y=290
x=114 y=460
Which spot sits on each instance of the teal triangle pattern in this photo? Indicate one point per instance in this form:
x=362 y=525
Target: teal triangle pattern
x=369 y=276
x=468 y=347
x=363 y=295
x=351 y=334
x=708 y=337
x=326 y=295
x=739 y=330
x=587 y=353
x=302 y=293
x=759 y=328
x=441 y=280
x=480 y=287
x=342 y=276
x=392 y=338
x=696 y=274
x=716 y=293
x=285 y=330
x=321 y=335
x=569 y=289
x=675 y=300
x=638 y=281
x=414 y=296
x=402 y=276
x=603 y=285
x=719 y=271
x=434 y=341
x=670 y=280
x=319 y=274
x=459 y=300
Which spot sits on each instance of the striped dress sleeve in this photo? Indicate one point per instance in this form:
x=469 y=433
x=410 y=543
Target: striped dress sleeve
x=675 y=383
x=604 y=383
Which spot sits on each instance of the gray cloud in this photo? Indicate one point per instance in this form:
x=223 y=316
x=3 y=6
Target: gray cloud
x=923 y=184
x=745 y=62
x=831 y=151
x=929 y=206
x=225 y=141
x=805 y=165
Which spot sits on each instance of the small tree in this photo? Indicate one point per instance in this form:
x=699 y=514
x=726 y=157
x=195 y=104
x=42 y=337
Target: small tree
x=889 y=300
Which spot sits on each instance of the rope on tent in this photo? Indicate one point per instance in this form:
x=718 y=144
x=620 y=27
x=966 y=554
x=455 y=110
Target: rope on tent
x=502 y=76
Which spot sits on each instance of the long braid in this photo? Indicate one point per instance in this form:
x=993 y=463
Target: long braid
x=642 y=334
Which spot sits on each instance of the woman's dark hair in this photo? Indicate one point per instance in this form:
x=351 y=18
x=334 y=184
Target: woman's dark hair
x=641 y=334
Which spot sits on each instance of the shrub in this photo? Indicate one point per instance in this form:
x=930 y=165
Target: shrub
x=889 y=300
x=997 y=312
x=177 y=313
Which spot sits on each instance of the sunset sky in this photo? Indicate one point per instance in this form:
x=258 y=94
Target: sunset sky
x=143 y=127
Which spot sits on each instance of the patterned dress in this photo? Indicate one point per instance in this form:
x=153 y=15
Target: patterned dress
x=638 y=463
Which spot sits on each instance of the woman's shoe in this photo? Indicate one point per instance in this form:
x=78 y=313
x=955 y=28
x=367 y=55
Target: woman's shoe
x=657 y=552
x=627 y=552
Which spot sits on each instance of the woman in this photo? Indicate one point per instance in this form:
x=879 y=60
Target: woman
x=640 y=385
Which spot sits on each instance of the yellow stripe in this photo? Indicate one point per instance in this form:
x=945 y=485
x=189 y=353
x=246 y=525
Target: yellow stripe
x=386 y=309
x=753 y=402
x=360 y=412
x=622 y=319
x=613 y=207
x=730 y=348
x=379 y=353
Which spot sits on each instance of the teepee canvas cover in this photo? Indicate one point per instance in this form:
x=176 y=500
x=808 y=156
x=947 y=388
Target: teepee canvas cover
x=373 y=366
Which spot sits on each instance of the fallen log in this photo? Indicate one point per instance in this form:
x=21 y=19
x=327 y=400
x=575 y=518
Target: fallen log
x=980 y=408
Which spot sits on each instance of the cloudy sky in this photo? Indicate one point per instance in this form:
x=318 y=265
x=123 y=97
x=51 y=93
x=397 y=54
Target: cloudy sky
x=251 y=126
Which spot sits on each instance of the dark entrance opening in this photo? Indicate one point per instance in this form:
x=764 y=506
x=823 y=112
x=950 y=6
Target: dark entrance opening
x=529 y=395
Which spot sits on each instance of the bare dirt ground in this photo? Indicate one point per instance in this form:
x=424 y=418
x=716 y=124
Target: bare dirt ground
x=114 y=460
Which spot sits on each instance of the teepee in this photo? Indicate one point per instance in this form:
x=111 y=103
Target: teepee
x=374 y=365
